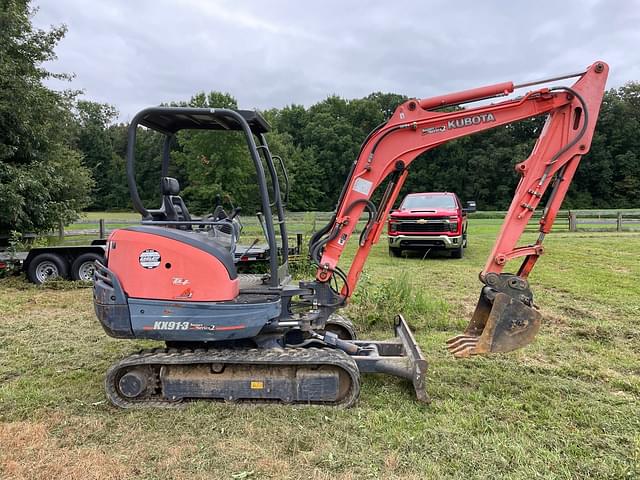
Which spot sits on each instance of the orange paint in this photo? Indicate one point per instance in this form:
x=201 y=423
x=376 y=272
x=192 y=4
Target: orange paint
x=413 y=130
x=208 y=277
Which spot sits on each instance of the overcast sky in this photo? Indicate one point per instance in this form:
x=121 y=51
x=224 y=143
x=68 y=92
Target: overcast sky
x=138 y=53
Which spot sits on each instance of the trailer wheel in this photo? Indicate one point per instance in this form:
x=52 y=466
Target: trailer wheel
x=45 y=267
x=83 y=266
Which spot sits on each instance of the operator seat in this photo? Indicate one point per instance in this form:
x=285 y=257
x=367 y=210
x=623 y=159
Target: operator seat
x=172 y=203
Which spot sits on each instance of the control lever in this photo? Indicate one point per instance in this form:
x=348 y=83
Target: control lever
x=234 y=213
x=261 y=221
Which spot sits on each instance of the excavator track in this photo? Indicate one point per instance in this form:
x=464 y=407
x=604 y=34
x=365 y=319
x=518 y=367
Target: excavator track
x=170 y=378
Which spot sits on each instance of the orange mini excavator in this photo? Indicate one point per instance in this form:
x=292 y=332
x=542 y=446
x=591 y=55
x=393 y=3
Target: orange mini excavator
x=263 y=338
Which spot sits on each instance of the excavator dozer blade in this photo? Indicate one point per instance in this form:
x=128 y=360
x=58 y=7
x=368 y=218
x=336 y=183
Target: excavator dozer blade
x=497 y=326
x=400 y=356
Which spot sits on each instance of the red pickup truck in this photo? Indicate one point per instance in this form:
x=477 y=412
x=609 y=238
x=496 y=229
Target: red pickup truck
x=429 y=221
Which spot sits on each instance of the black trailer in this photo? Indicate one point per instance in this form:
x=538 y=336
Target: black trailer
x=76 y=262
x=73 y=262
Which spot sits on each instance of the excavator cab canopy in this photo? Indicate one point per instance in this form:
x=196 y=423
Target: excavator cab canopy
x=169 y=120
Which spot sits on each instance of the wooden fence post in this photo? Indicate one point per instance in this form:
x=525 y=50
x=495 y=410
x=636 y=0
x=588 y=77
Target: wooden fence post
x=102 y=231
x=299 y=240
x=619 y=222
x=572 y=221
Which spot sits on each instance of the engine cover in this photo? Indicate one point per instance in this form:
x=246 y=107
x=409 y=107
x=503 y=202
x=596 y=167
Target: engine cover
x=158 y=263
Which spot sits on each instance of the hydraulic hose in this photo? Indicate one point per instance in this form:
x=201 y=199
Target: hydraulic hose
x=314 y=251
x=372 y=211
x=320 y=233
x=572 y=143
x=323 y=231
x=318 y=244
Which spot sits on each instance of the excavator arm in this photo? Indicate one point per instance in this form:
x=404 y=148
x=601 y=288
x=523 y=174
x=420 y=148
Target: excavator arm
x=505 y=318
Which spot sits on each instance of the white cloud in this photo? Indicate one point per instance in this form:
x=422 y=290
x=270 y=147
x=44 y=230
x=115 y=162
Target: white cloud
x=270 y=54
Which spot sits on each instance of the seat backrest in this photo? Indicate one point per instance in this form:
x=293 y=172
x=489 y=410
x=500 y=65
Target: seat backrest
x=169 y=187
x=174 y=206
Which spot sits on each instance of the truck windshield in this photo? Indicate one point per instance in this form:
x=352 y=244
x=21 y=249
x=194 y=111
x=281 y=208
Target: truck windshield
x=428 y=202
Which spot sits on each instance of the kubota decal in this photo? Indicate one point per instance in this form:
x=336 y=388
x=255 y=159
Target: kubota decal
x=473 y=120
x=461 y=122
x=149 y=258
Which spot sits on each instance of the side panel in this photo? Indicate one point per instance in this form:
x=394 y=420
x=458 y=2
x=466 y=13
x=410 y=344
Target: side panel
x=110 y=303
x=190 y=321
x=123 y=317
x=156 y=267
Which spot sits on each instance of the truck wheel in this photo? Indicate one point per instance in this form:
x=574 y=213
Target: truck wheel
x=83 y=266
x=45 y=267
x=458 y=252
x=395 y=252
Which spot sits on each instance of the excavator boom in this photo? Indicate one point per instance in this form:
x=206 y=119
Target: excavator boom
x=504 y=318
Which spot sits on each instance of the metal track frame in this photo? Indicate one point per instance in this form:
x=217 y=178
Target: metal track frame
x=156 y=359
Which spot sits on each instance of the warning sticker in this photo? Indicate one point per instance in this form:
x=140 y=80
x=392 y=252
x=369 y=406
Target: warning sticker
x=149 y=258
x=257 y=385
x=362 y=186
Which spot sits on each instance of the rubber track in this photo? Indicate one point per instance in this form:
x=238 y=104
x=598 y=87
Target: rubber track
x=285 y=357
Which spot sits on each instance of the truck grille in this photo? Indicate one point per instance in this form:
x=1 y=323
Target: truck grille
x=431 y=227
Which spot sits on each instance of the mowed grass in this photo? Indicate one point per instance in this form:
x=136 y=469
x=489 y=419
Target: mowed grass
x=567 y=406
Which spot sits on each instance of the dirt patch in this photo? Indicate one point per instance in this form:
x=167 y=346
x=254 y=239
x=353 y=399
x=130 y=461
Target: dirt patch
x=29 y=452
x=551 y=319
x=576 y=312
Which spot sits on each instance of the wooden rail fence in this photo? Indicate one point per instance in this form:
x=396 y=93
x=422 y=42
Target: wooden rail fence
x=597 y=221
x=309 y=222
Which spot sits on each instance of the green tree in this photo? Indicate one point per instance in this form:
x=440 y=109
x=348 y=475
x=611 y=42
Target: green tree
x=329 y=135
x=215 y=163
x=304 y=194
x=320 y=143
x=609 y=175
x=94 y=140
x=148 y=166
x=42 y=178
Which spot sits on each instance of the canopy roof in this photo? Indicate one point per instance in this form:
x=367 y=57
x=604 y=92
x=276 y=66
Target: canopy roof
x=171 y=119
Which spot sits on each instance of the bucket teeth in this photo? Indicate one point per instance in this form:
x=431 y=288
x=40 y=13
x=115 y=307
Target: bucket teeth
x=463 y=345
x=504 y=326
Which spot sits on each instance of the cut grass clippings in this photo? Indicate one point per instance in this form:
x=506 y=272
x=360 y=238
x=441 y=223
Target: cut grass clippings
x=566 y=406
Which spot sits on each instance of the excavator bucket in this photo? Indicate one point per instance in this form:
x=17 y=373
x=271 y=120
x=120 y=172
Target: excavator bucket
x=500 y=323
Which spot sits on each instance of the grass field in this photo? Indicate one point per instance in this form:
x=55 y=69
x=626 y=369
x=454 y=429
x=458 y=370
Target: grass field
x=568 y=406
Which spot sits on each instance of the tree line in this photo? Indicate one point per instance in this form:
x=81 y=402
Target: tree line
x=320 y=143
x=60 y=155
